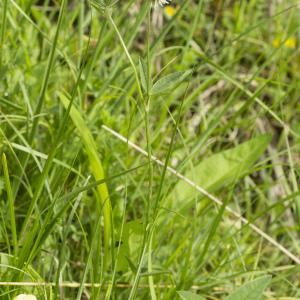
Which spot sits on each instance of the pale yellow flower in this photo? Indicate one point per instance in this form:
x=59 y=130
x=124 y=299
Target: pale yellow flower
x=25 y=297
x=276 y=42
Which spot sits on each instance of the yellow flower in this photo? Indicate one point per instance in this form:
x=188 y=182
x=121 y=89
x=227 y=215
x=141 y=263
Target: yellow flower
x=170 y=11
x=276 y=43
x=289 y=43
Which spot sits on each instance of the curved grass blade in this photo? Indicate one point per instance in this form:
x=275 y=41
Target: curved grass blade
x=95 y=165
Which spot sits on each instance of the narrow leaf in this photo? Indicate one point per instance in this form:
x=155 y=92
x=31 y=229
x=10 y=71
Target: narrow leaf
x=95 y=165
x=143 y=74
x=10 y=203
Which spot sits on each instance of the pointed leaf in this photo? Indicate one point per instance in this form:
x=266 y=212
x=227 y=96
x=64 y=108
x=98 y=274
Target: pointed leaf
x=169 y=82
x=129 y=245
x=252 y=290
x=95 y=164
x=221 y=169
x=185 y=295
x=144 y=74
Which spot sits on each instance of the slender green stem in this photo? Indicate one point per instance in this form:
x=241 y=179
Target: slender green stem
x=47 y=166
x=40 y=100
x=111 y=21
x=3 y=28
x=150 y=278
x=92 y=61
x=293 y=177
x=149 y=150
x=145 y=104
x=80 y=32
x=10 y=203
x=46 y=78
x=193 y=29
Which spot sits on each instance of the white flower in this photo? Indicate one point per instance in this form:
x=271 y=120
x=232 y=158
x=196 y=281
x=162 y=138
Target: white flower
x=25 y=297
x=164 y=2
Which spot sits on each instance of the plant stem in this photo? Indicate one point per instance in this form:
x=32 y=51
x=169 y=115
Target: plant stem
x=10 y=204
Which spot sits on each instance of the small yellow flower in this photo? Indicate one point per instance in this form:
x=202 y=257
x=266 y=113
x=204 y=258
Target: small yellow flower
x=276 y=43
x=170 y=11
x=290 y=43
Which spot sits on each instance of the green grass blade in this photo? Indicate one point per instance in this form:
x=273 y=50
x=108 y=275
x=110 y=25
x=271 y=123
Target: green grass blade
x=95 y=165
x=11 y=203
x=3 y=27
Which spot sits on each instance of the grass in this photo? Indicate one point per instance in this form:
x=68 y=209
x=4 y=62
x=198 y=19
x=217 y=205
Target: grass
x=149 y=153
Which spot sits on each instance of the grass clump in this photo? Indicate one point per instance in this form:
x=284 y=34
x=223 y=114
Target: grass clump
x=149 y=150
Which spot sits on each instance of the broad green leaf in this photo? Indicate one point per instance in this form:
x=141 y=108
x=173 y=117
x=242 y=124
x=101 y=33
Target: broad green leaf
x=129 y=245
x=169 y=82
x=221 y=169
x=185 y=295
x=95 y=164
x=252 y=290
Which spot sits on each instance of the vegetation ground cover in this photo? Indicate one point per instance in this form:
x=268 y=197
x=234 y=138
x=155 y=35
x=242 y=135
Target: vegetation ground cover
x=149 y=150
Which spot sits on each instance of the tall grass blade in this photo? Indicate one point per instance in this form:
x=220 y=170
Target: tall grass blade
x=95 y=165
x=10 y=204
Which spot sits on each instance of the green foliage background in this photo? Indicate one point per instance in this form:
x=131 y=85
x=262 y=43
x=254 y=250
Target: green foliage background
x=210 y=88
